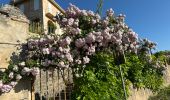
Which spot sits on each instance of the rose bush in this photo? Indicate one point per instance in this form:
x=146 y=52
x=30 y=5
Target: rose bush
x=85 y=34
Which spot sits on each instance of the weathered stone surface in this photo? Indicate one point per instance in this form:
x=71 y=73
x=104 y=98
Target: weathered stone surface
x=12 y=31
x=144 y=94
x=13 y=13
x=20 y=92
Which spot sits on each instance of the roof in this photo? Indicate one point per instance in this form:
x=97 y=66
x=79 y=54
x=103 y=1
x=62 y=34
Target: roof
x=13 y=12
x=16 y=1
x=52 y=1
x=58 y=6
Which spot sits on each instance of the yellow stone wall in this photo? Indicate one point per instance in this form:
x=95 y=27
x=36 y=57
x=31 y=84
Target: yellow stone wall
x=22 y=91
x=12 y=31
x=144 y=94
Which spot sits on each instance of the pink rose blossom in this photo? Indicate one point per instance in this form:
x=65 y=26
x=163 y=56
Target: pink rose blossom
x=90 y=13
x=6 y=88
x=113 y=38
x=18 y=77
x=86 y=60
x=99 y=38
x=91 y=50
x=15 y=68
x=70 y=21
x=110 y=12
x=26 y=71
x=64 y=20
x=80 y=42
x=22 y=64
x=35 y=71
x=46 y=51
x=76 y=23
x=90 y=38
x=69 y=57
x=97 y=16
x=67 y=40
x=61 y=64
x=11 y=75
x=106 y=35
x=13 y=84
x=84 y=12
x=94 y=21
x=105 y=23
x=60 y=49
x=1 y=84
x=78 y=61
x=66 y=50
x=75 y=31
x=121 y=17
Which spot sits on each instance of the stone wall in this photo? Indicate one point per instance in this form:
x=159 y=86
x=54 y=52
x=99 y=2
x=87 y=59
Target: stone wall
x=10 y=32
x=13 y=28
x=22 y=91
x=144 y=94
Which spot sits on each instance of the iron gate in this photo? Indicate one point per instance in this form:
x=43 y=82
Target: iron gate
x=55 y=84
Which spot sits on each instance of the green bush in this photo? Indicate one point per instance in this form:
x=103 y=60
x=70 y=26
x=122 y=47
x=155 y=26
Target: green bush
x=101 y=79
x=97 y=83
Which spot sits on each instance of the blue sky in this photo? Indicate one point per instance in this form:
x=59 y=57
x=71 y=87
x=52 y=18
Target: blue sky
x=149 y=18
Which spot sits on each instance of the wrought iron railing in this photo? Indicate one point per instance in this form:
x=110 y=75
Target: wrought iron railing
x=50 y=85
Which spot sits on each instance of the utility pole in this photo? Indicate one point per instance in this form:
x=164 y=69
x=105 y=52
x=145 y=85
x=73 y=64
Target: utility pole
x=99 y=7
x=1 y=5
x=121 y=59
x=120 y=56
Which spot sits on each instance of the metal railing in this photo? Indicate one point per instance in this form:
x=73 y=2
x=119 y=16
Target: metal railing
x=35 y=27
x=50 y=85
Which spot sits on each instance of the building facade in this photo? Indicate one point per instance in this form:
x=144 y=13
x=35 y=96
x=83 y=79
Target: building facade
x=41 y=14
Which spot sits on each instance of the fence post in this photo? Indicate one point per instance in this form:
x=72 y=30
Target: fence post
x=32 y=88
x=53 y=84
x=40 y=86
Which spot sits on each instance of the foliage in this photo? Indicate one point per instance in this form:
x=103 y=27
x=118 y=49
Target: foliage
x=166 y=54
x=92 y=47
x=144 y=74
x=100 y=81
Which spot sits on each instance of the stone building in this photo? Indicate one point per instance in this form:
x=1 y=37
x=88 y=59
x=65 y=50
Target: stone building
x=49 y=84
x=41 y=14
x=13 y=27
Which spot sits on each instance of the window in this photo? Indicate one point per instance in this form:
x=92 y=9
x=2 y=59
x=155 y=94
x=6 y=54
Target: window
x=49 y=8
x=51 y=27
x=36 y=4
x=35 y=26
x=21 y=7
